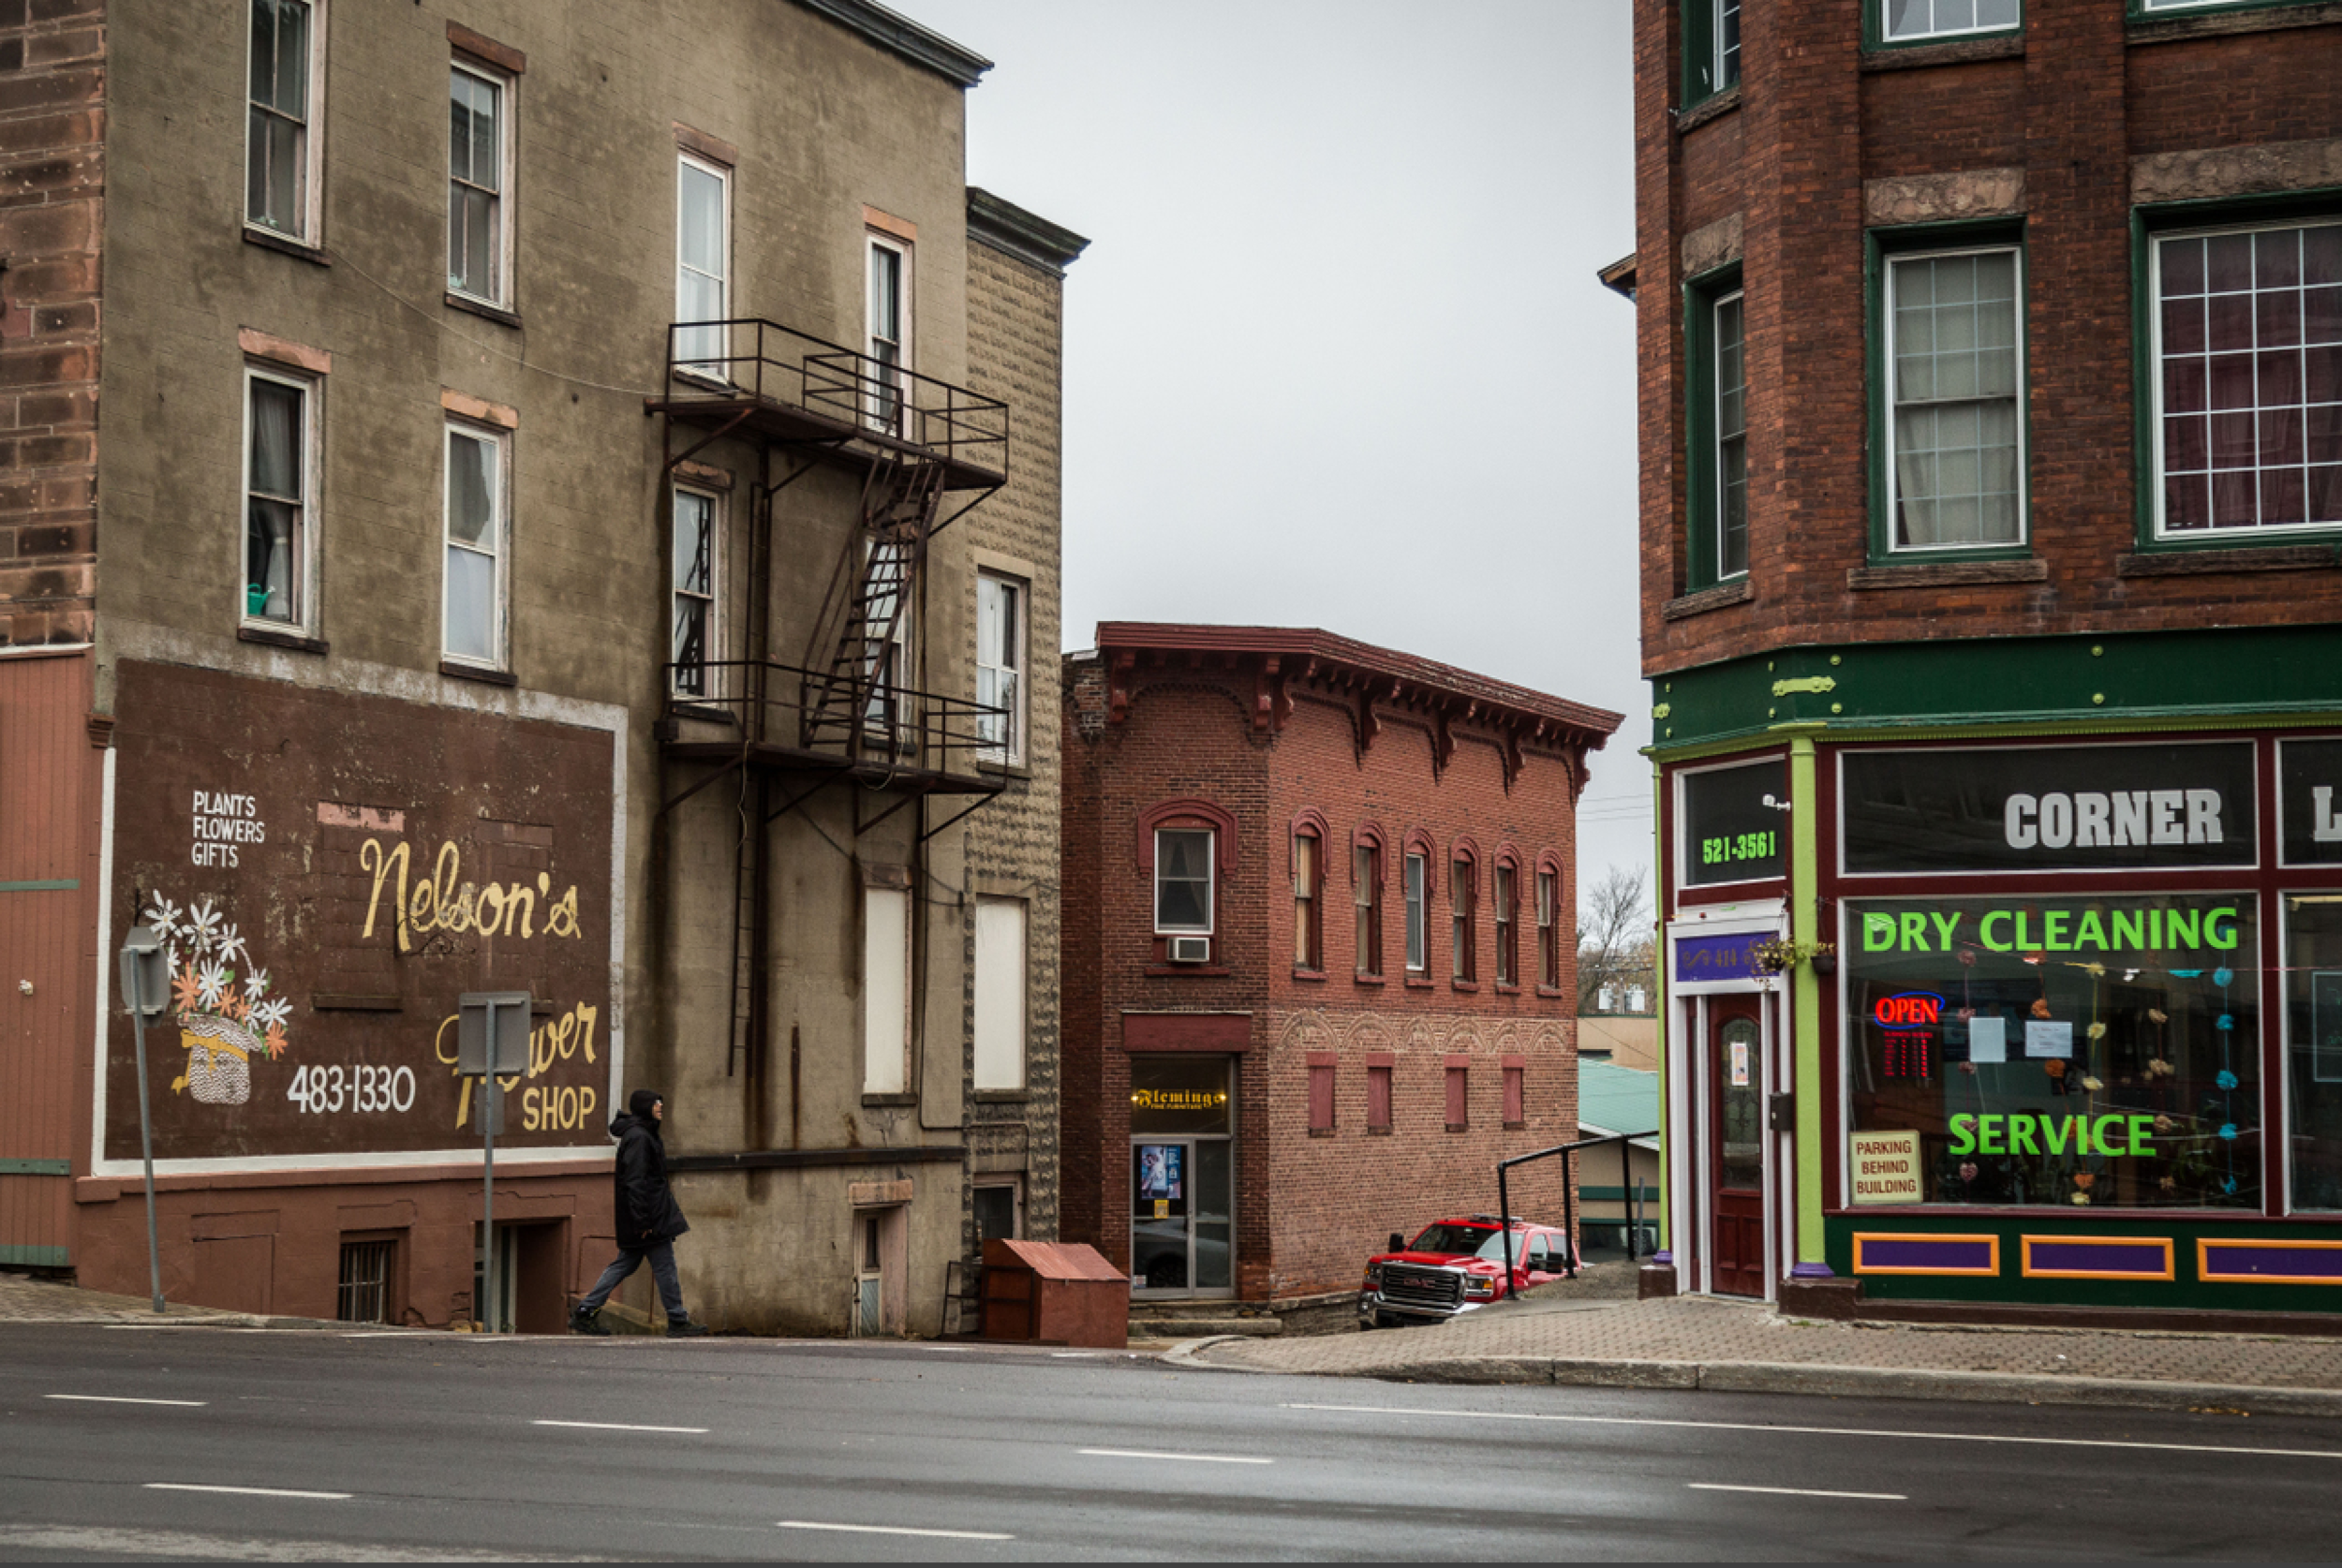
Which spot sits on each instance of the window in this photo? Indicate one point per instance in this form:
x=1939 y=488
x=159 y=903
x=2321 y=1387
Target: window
x=1516 y=1092
x=999 y=1021
x=1320 y=1065
x=1954 y=368
x=1919 y=21
x=1731 y=458
x=1463 y=895
x=2247 y=337
x=278 y=475
x=1548 y=930
x=479 y=151
x=1712 y=48
x=888 y=564
x=703 y=291
x=2313 y=1047
x=1183 y=880
x=472 y=611
x=1366 y=891
x=1001 y=667
x=999 y=1210
x=1378 y=1096
x=885 y=990
x=1715 y=417
x=1458 y=1093
x=1306 y=878
x=280 y=141
x=1508 y=923
x=364 y=1292
x=1417 y=872
x=695 y=627
x=889 y=309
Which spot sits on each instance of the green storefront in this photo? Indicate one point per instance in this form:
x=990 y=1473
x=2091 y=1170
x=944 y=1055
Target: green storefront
x=2008 y=970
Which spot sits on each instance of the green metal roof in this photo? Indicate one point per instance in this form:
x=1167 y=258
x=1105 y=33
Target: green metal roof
x=1617 y=1099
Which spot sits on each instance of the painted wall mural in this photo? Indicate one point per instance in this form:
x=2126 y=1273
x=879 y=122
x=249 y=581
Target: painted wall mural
x=329 y=872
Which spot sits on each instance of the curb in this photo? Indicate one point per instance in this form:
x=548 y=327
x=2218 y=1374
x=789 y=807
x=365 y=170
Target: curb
x=1764 y=1377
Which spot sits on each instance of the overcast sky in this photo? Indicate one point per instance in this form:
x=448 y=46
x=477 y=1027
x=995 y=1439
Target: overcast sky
x=1337 y=356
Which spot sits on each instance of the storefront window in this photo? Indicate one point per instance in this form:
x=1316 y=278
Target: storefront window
x=2313 y=1054
x=2072 y=1051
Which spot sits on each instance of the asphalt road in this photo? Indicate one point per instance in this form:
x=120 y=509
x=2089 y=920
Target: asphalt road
x=320 y=1444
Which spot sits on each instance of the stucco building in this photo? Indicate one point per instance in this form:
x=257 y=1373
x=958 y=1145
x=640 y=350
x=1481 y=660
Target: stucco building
x=485 y=502
x=1319 y=953
x=1990 y=380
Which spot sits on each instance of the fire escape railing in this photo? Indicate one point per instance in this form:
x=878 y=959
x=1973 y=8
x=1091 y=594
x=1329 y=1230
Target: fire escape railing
x=893 y=727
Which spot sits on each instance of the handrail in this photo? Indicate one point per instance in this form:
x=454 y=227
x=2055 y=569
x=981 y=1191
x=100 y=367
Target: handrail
x=883 y=400
x=1569 y=1222
x=830 y=714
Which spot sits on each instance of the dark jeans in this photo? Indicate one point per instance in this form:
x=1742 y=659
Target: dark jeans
x=661 y=1256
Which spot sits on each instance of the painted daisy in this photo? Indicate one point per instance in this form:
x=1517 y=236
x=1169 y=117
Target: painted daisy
x=231 y=946
x=212 y=983
x=202 y=926
x=162 y=917
x=256 y=983
x=271 y=1014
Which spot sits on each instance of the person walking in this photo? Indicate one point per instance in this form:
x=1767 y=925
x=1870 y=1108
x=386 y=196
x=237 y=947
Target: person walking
x=649 y=1219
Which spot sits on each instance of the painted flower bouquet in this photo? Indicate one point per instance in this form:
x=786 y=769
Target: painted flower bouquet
x=222 y=1024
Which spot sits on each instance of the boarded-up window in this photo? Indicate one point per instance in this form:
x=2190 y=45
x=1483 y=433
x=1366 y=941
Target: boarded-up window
x=886 y=989
x=1516 y=1091
x=1378 y=1097
x=1321 y=1091
x=1458 y=1079
x=1000 y=994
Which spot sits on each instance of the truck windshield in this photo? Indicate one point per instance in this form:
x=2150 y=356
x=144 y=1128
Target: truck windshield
x=1482 y=1241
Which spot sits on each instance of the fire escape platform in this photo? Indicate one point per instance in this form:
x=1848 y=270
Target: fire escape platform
x=875 y=773
x=737 y=413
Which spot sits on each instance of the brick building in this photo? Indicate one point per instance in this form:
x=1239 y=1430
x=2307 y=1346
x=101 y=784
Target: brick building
x=495 y=504
x=1319 y=953
x=1991 y=396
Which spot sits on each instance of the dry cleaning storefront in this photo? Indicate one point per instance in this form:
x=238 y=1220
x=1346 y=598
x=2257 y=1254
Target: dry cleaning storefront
x=2080 y=1040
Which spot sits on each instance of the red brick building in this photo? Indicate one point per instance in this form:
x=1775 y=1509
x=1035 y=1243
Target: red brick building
x=1990 y=381
x=1320 y=951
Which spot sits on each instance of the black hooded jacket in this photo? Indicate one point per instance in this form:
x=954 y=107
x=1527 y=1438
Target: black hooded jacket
x=646 y=1209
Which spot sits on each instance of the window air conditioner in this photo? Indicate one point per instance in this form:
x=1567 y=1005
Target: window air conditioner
x=1190 y=950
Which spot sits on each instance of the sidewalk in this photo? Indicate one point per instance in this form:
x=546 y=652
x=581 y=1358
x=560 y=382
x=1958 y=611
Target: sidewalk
x=1703 y=1343
x=26 y=1299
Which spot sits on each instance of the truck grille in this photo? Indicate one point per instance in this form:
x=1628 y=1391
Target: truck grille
x=1410 y=1285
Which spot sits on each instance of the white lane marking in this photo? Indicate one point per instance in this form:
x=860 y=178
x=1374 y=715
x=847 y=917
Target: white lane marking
x=620 y=1426
x=246 y=1491
x=1151 y=1453
x=1834 y=1431
x=1075 y=1355
x=124 y=1400
x=894 y=1530
x=1796 y=1491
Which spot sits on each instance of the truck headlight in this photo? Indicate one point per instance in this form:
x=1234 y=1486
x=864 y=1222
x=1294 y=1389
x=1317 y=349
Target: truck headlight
x=1484 y=1289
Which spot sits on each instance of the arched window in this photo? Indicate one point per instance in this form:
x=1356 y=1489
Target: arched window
x=1418 y=890
x=1310 y=834
x=1463 y=905
x=1366 y=897
x=1506 y=900
x=1550 y=921
x=1184 y=847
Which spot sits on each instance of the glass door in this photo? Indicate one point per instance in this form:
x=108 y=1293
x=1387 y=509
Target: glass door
x=1162 y=1238
x=1182 y=1176
x=1737 y=1169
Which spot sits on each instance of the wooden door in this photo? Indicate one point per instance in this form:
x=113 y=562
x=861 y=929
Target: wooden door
x=1736 y=1145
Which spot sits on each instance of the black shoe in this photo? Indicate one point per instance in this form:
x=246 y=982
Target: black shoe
x=583 y=1322
x=687 y=1329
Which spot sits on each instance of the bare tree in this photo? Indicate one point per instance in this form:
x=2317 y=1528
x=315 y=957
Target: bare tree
x=1614 y=941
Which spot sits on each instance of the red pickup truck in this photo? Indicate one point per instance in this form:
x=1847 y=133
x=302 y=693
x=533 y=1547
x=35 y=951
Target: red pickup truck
x=1455 y=1265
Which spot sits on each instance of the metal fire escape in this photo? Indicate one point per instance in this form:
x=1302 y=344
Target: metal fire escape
x=925 y=452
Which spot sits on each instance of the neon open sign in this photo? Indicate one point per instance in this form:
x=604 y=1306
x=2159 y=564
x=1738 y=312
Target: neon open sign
x=1909 y=1011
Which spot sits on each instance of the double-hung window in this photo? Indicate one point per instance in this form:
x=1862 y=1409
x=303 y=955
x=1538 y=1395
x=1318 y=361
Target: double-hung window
x=1463 y=899
x=478 y=547
x=280 y=133
x=2247 y=380
x=1000 y=668
x=1548 y=930
x=889 y=318
x=1365 y=890
x=1183 y=881
x=478 y=155
x=1507 y=926
x=1715 y=345
x=1417 y=874
x=1954 y=367
x=695 y=599
x=1731 y=436
x=278 y=485
x=702 y=286
x=1924 y=21
x=1306 y=862
x=1712 y=48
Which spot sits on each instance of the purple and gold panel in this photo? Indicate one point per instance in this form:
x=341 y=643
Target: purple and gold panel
x=2097 y=1257
x=1878 y=1252
x=2237 y=1262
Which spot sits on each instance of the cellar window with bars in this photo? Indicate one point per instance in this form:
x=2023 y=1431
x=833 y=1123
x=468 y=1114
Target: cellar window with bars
x=365 y=1285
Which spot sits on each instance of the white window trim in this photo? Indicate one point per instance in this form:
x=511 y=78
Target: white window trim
x=502 y=496
x=1887 y=36
x=713 y=653
x=1886 y=371
x=1013 y=752
x=1715 y=417
x=1015 y=1186
x=1416 y=932
x=1020 y=994
x=508 y=94
x=885 y=1030
x=728 y=312
x=906 y=347
x=313 y=144
x=1715 y=46
x=2154 y=380
x=310 y=386
x=1211 y=885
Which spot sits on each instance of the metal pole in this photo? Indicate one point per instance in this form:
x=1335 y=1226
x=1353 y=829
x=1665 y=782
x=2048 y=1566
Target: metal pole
x=1504 y=1223
x=493 y=1103
x=1569 y=1220
x=1626 y=1180
x=146 y=1141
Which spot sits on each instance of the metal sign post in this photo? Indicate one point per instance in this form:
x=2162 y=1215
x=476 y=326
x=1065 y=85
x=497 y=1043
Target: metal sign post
x=145 y=990
x=491 y=1039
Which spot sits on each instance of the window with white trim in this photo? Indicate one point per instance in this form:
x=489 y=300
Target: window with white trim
x=1001 y=667
x=284 y=80
x=1914 y=20
x=703 y=284
x=889 y=332
x=1548 y=930
x=999 y=1001
x=1184 y=891
x=2247 y=380
x=1417 y=871
x=479 y=178
x=1955 y=380
x=1365 y=891
x=1731 y=456
x=695 y=644
x=476 y=566
x=885 y=990
x=279 y=480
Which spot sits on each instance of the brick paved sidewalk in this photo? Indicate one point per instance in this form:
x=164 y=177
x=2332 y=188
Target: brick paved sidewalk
x=1703 y=1343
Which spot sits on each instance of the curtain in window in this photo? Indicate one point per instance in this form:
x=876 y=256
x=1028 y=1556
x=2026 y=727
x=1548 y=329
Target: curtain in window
x=279 y=113
x=1183 y=880
x=1955 y=419
x=471 y=546
x=275 y=501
